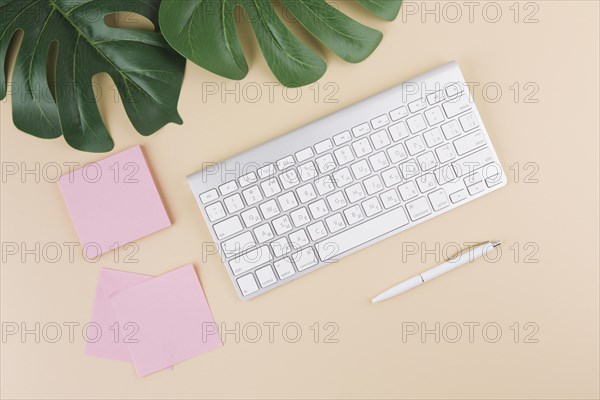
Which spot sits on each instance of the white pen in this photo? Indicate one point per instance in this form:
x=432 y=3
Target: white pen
x=434 y=272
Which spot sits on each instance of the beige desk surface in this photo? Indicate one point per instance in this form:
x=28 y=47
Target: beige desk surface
x=544 y=287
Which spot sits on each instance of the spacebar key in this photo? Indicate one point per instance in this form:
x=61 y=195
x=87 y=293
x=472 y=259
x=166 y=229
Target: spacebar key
x=360 y=234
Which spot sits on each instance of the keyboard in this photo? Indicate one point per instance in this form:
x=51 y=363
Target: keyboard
x=308 y=198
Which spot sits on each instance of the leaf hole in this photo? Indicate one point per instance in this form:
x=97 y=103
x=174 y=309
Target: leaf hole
x=51 y=68
x=129 y=20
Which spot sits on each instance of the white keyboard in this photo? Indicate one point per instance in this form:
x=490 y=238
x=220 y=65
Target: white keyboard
x=303 y=200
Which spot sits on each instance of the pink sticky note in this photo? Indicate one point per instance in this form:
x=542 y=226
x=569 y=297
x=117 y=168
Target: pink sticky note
x=173 y=319
x=113 y=202
x=109 y=340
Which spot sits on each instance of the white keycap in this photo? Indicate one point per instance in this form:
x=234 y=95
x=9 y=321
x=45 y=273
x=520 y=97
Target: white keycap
x=342 y=138
x=248 y=179
x=452 y=129
x=444 y=174
x=228 y=187
x=287 y=201
x=271 y=187
x=445 y=153
x=247 y=261
x=438 y=199
x=453 y=89
x=337 y=201
x=300 y=217
x=373 y=185
x=344 y=155
x=415 y=145
x=323 y=146
x=469 y=121
x=252 y=195
x=372 y=206
x=306 y=193
x=228 y=227
x=476 y=188
x=470 y=142
x=362 y=129
x=282 y=225
x=472 y=162
x=360 y=169
x=398 y=113
x=215 y=211
x=342 y=177
x=390 y=198
x=379 y=161
x=285 y=163
x=238 y=244
x=298 y=239
x=234 y=203
x=436 y=97
x=391 y=177
x=362 y=147
x=307 y=171
x=434 y=116
x=426 y=182
x=267 y=170
x=209 y=196
x=354 y=214
x=335 y=223
x=280 y=246
x=326 y=163
x=305 y=259
x=324 y=185
x=269 y=209
x=380 y=121
x=266 y=276
x=408 y=190
x=317 y=230
x=417 y=105
x=284 y=268
x=247 y=284
x=355 y=193
x=472 y=178
x=427 y=161
x=399 y=131
x=416 y=124
x=418 y=209
x=305 y=154
x=409 y=169
x=397 y=153
x=263 y=233
x=457 y=106
x=380 y=139
x=318 y=209
x=433 y=137
x=458 y=196
x=289 y=179
x=251 y=217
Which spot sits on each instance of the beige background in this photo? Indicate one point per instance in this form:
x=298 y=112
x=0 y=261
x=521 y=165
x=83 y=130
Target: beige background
x=557 y=55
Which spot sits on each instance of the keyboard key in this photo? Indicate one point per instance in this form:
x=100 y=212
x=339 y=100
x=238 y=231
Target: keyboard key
x=326 y=163
x=391 y=177
x=234 y=203
x=398 y=113
x=228 y=227
x=342 y=138
x=373 y=185
x=318 y=209
x=209 y=196
x=307 y=171
x=417 y=105
x=247 y=284
x=472 y=178
x=337 y=201
x=476 y=188
x=269 y=209
x=472 y=162
x=458 y=196
x=438 y=199
x=416 y=124
x=305 y=259
x=289 y=179
x=238 y=244
x=305 y=154
x=344 y=155
x=282 y=225
x=267 y=170
x=470 y=142
x=342 y=177
x=215 y=211
x=390 y=198
x=469 y=121
x=251 y=217
x=434 y=116
x=354 y=214
x=362 y=147
x=397 y=153
x=338 y=244
x=335 y=223
x=457 y=106
x=271 y=187
x=418 y=209
x=252 y=195
x=362 y=129
x=287 y=201
x=248 y=179
x=453 y=89
x=284 y=268
x=355 y=193
x=445 y=153
x=415 y=145
x=298 y=239
x=493 y=180
x=379 y=161
x=300 y=217
x=380 y=121
x=380 y=139
x=324 y=185
x=398 y=131
x=247 y=261
x=281 y=246
x=306 y=193
x=323 y=146
x=409 y=169
x=263 y=233
x=436 y=97
x=372 y=206
x=433 y=137
x=228 y=187
x=452 y=129
x=408 y=190
x=317 y=230
x=285 y=163
x=361 y=169
x=444 y=174
x=426 y=182
x=427 y=161
x=265 y=276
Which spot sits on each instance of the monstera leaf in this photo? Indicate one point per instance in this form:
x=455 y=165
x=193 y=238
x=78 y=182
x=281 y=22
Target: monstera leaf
x=147 y=72
x=204 y=32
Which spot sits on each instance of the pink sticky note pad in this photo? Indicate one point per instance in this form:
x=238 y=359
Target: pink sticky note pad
x=114 y=201
x=172 y=317
x=110 y=340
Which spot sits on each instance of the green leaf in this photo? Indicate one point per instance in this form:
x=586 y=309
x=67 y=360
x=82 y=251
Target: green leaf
x=147 y=73
x=204 y=32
